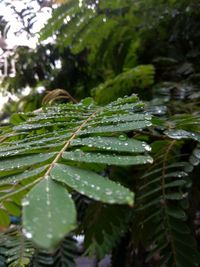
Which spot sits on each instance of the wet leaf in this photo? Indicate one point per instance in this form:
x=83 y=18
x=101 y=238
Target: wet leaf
x=92 y=185
x=48 y=213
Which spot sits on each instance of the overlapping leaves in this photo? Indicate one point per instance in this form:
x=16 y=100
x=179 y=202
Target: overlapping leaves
x=64 y=148
x=163 y=200
x=17 y=251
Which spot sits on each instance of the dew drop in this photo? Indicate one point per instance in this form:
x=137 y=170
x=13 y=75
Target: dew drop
x=108 y=192
x=27 y=234
x=123 y=137
x=146 y=147
x=77 y=177
x=25 y=202
x=150 y=160
x=49 y=235
x=47 y=189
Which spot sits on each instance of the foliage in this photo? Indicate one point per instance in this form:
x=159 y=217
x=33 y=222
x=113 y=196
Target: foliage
x=72 y=138
x=97 y=154
x=16 y=250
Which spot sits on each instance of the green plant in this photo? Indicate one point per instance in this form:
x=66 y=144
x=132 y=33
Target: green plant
x=63 y=148
x=146 y=47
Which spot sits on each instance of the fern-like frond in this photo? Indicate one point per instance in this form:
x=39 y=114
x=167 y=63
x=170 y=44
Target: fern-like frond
x=63 y=256
x=55 y=151
x=103 y=227
x=92 y=26
x=162 y=203
x=15 y=250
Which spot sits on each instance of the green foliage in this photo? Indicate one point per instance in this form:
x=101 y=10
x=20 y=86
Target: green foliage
x=55 y=151
x=17 y=251
x=124 y=84
x=103 y=226
x=78 y=159
x=163 y=197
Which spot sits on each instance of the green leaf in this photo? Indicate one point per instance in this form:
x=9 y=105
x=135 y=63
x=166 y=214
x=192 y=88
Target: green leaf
x=79 y=155
x=22 y=176
x=4 y=218
x=183 y=134
x=176 y=213
x=91 y=184
x=22 y=162
x=44 y=144
x=120 y=127
x=12 y=208
x=113 y=144
x=48 y=213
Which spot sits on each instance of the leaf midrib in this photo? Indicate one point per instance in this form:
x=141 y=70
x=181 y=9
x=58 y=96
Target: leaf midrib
x=67 y=144
x=59 y=155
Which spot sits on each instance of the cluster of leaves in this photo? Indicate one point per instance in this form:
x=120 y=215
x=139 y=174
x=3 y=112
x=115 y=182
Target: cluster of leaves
x=65 y=148
x=76 y=158
x=16 y=250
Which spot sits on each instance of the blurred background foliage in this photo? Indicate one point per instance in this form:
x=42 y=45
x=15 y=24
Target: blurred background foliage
x=87 y=43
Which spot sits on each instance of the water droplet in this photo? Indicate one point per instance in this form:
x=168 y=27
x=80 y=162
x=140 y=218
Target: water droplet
x=25 y=202
x=146 y=147
x=77 y=177
x=108 y=192
x=27 y=234
x=150 y=160
x=123 y=137
x=49 y=235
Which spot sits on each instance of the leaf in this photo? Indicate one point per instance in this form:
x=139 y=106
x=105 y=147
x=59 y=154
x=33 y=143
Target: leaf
x=22 y=176
x=113 y=144
x=15 y=250
x=60 y=138
x=176 y=213
x=12 y=208
x=163 y=188
x=183 y=134
x=22 y=162
x=4 y=218
x=120 y=127
x=79 y=155
x=103 y=226
x=48 y=213
x=92 y=185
